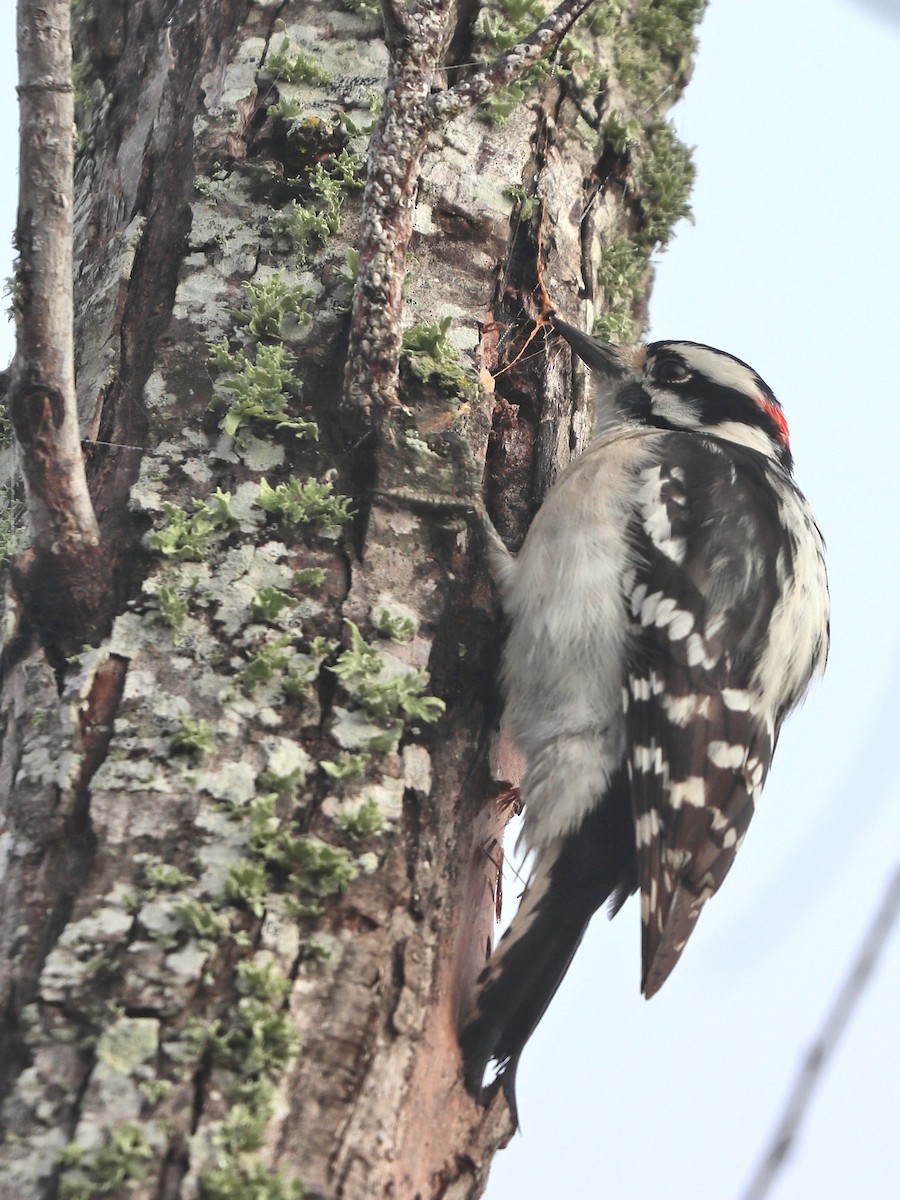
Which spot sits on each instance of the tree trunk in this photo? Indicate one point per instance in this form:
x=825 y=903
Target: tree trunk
x=250 y=861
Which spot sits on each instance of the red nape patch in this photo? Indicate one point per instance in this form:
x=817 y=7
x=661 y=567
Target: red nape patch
x=774 y=411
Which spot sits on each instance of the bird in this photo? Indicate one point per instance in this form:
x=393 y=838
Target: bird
x=666 y=611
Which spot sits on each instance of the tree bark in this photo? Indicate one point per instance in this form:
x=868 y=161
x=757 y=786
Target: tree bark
x=250 y=862
x=61 y=574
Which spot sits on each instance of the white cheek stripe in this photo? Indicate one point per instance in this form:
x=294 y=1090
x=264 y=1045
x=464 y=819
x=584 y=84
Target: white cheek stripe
x=719 y=368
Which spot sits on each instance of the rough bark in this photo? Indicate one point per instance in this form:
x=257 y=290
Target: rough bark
x=231 y=967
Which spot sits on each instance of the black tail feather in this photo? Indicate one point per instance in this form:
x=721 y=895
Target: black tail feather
x=570 y=882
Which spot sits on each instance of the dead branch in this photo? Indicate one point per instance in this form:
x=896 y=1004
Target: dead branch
x=824 y=1047
x=57 y=577
x=511 y=65
x=415 y=105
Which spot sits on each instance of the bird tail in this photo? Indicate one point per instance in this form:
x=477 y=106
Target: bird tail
x=573 y=876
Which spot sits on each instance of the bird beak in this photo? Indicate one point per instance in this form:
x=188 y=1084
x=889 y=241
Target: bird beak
x=597 y=355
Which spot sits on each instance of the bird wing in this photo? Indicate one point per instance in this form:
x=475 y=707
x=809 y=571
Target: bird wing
x=707 y=538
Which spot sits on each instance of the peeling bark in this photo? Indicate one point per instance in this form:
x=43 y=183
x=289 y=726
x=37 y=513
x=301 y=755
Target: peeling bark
x=250 y=870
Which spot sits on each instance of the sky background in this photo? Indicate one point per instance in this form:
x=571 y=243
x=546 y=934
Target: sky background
x=792 y=265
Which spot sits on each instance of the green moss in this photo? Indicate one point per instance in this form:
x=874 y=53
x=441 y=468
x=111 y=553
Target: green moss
x=259 y=391
x=338 y=174
x=6 y=428
x=270 y=602
x=193 y=736
x=203 y=921
x=302 y=910
x=248 y=1181
x=361 y=671
x=368 y=9
x=314 y=950
x=623 y=271
x=395 y=626
x=347 y=768
x=119 y=1163
x=173 y=606
x=621 y=134
x=310 y=577
x=313 y=865
x=302 y=224
x=350 y=271
x=262 y=825
x=622 y=280
x=318 y=867
x=666 y=172
x=366 y=821
x=605 y=20
x=527 y=205
x=242 y=1130
x=166 y=878
x=260 y=1042
x=220 y=506
x=263 y=980
x=432 y=357
x=272 y=303
x=286 y=109
x=653 y=50
x=293 y=67
x=500 y=105
x=387 y=742
x=82 y=81
x=320 y=217
x=665 y=31
x=266 y=660
x=431 y=341
x=275 y=659
x=247 y=884
x=616 y=327
x=157 y=1090
x=360 y=663
x=184 y=536
x=304 y=502
x=321 y=648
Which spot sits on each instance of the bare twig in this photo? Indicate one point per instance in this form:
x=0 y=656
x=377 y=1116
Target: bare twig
x=65 y=535
x=509 y=66
x=825 y=1045
x=416 y=39
x=415 y=104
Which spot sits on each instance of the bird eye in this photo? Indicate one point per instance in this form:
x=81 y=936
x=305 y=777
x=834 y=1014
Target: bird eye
x=671 y=370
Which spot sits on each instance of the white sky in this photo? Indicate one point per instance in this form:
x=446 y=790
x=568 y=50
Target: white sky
x=792 y=265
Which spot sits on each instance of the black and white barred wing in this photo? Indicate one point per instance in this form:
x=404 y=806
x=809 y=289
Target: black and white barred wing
x=699 y=744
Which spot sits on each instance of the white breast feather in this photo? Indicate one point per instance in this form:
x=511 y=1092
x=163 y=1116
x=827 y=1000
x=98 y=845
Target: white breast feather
x=563 y=661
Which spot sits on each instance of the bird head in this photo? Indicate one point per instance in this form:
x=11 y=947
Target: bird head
x=685 y=386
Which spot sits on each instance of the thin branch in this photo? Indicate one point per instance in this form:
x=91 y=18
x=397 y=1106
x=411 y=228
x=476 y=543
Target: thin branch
x=414 y=106
x=396 y=19
x=42 y=404
x=823 y=1048
x=509 y=66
